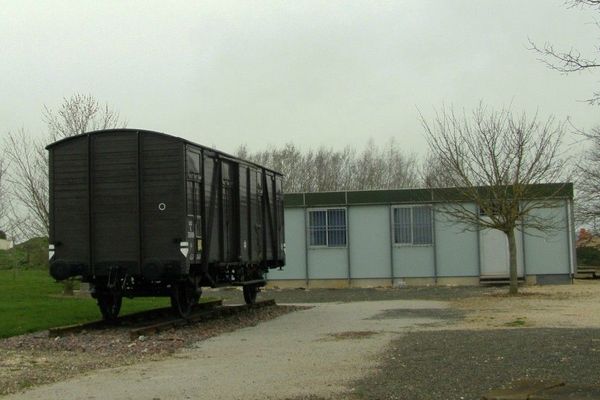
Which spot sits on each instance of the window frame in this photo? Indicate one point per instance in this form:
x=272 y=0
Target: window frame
x=326 y=245
x=412 y=207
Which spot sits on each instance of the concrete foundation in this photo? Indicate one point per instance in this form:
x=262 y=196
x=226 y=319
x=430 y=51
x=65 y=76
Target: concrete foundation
x=404 y=282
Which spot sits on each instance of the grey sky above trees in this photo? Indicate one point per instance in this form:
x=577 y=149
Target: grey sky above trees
x=312 y=73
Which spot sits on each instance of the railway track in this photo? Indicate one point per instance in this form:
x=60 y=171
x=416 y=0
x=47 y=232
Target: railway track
x=151 y=322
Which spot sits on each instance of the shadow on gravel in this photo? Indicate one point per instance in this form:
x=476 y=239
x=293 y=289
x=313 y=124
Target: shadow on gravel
x=467 y=364
x=429 y=313
x=441 y=293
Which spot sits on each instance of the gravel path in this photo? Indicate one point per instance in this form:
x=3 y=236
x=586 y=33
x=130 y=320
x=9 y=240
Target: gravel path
x=34 y=359
x=313 y=352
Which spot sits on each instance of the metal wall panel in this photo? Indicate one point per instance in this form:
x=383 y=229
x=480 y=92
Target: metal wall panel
x=457 y=253
x=328 y=263
x=295 y=267
x=548 y=252
x=413 y=261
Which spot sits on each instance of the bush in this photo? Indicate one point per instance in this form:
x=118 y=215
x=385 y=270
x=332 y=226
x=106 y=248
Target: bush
x=588 y=256
x=30 y=254
x=2 y=235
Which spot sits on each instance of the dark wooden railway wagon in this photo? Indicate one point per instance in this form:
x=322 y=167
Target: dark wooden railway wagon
x=141 y=213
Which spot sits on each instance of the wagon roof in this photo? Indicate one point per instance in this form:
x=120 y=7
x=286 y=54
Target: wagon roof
x=145 y=131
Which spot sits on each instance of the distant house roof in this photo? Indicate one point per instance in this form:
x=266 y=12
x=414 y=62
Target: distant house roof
x=409 y=196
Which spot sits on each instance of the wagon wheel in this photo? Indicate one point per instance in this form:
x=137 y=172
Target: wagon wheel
x=110 y=305
x=183 y=298
x=250 y=292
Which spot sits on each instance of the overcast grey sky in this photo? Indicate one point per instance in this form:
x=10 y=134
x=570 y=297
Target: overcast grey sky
x=269 y=72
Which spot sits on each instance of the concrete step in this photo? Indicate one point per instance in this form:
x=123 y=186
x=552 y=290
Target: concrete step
x=587 y=275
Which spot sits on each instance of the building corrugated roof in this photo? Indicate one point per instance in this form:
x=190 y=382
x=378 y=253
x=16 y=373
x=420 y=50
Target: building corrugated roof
x=412 y=196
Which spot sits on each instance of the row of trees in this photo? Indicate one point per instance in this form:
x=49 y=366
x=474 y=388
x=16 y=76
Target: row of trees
x=327 y=169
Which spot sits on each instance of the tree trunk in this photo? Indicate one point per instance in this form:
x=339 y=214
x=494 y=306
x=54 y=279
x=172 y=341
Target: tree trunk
x=512 y=251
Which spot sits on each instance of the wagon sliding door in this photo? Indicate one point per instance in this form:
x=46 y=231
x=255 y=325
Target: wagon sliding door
x=245 y=214
x=230 y=211
x=272 y=199
x=221 y=200
x=162 y=199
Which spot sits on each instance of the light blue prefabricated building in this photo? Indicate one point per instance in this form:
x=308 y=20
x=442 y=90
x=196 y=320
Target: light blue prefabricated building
x=403 y=237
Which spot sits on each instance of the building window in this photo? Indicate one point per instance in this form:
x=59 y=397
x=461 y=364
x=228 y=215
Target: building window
x=413 y=225
x=327 y=227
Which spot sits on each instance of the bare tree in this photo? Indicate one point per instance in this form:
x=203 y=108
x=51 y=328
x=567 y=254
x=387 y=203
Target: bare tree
x=588 y=179
x=402 y=169
x=4 y=207
x=28 y=180
x=28 y=172
x=78 y=114
x=432 y=173
x=570 y=60
x=494 y=160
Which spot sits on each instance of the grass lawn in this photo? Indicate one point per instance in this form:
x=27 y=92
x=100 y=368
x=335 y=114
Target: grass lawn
x=30 y=300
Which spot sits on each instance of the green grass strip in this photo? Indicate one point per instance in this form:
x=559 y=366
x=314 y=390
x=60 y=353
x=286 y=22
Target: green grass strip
x=30 y=301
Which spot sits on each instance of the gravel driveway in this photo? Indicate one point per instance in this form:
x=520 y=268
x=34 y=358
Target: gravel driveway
x=312 y=352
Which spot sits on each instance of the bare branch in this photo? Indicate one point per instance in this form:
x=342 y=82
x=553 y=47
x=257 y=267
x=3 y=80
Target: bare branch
x=582 y=3
x=571 y=60
x=79 y=114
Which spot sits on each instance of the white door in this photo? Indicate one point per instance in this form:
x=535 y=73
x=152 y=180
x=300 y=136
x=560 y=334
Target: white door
x=494 y=253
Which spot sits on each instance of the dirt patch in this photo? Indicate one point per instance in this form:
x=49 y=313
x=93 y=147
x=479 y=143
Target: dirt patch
x=446 y=314
x=352 y=335
x=557 y=306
